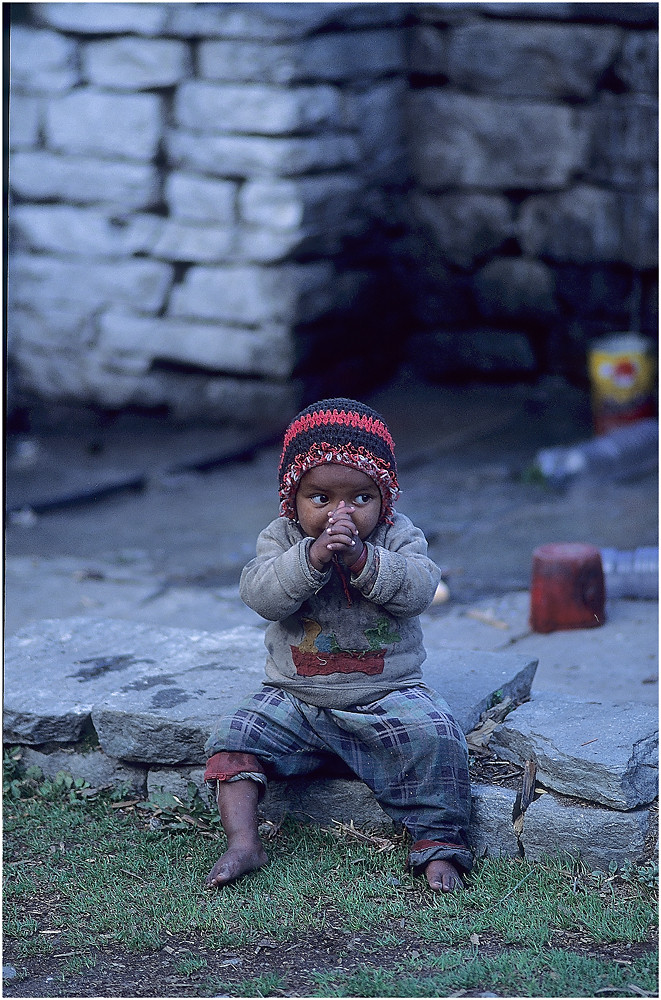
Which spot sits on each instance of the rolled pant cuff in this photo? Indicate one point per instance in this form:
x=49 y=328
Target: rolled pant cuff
x=424 y=851
x=228 y=764
x=234 y=766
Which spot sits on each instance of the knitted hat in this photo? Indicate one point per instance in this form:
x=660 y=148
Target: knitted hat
x=343 y=432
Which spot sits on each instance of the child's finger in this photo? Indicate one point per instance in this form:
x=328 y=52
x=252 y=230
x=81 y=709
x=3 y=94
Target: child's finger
x=342 y=528
x=340 y=538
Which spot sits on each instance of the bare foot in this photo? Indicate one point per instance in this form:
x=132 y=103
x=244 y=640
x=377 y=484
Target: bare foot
x=442 y=876
x=235 y=862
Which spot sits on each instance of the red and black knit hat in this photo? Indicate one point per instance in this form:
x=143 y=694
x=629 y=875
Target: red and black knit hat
x=343 y=432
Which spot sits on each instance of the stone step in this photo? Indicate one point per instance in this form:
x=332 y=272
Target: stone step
x=592 y=750
x=150 y=695
x=552 y=824
x=153 y=694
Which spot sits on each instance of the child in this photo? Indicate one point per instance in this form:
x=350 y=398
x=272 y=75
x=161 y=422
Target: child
x=343 y=578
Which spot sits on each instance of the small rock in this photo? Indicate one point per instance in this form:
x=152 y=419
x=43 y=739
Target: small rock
x=9 y=972
x=25 y=518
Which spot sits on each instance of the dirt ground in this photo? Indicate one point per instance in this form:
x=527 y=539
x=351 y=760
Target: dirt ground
x=465 y=458
x=121 y=974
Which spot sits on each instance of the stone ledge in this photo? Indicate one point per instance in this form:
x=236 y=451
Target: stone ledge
x=153 y=694
x=553 y=825
x=594 y=750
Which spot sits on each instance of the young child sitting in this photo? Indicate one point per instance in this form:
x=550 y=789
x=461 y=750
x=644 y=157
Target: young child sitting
x=343 y=579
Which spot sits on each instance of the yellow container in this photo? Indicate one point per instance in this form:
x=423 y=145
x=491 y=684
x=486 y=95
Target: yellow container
x=622 y=378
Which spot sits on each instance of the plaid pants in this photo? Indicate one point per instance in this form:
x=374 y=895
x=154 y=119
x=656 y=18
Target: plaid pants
x=405 y=746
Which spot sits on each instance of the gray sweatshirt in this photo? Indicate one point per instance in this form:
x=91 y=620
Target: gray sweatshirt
x=337 y=640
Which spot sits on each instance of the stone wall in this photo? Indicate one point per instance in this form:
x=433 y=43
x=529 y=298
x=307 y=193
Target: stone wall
x=219 y=209
x=194 y=191
x=533 y=138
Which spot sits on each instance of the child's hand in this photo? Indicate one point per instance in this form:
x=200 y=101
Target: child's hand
x=339 y=536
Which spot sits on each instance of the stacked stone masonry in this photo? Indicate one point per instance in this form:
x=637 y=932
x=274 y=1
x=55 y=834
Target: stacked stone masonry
x=121 y=703
x=209 y=203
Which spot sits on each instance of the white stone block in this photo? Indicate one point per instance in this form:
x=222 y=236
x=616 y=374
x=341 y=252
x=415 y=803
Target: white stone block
x=257 y=244
x=25 y=115
x=90 y=121
x=192 y=196
x=428 y=50
x=381 y=127
x=582 y=226
x=638 y=65
x=50 y=281
x=82 y=180
x=256 y=108
x=625 y=142
x=93 y=767
x=50 y=329
x=352 y=55
x=268 y=351
x=329 y=203
x=84 y=232
x=277 y=203
x=463 y=141
x=238 y=294
x=103 y=18
x=491 y=833
x=177 y=781
x=253 y=295
x=250 y=62
x=267 y=246
x=557 y=61
x=463 y=226
x=515 y=289
x=57 y=375
x=640 y=212
x=136 y=63
x=252 y=21
x=246 y=156
x=114 y=389
x=41 y=61
x=193 y=242
x=332 y=57
x=598 y=836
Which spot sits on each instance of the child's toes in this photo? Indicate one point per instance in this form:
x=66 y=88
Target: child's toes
x=442 y=876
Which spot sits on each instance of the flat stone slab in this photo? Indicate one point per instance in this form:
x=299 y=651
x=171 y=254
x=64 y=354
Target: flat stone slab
x=556 y=826
x=471 y=681
x=596 y=836
x=93 y=766
x=593 y=750
x=153 y=694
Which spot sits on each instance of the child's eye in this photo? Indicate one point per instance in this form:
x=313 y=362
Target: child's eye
x=319 y=499
x=363 y=498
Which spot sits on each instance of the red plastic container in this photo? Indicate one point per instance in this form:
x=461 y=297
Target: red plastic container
x=567 y=587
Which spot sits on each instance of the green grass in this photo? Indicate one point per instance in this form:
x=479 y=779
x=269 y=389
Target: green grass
x=102 y=879
x=522 y=972
x=258 y=986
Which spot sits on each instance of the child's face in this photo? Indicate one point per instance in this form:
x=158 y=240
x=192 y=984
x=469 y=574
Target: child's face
x=321 y=490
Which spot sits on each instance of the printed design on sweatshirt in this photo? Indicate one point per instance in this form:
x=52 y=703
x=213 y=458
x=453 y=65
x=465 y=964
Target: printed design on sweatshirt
x=320 y=653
